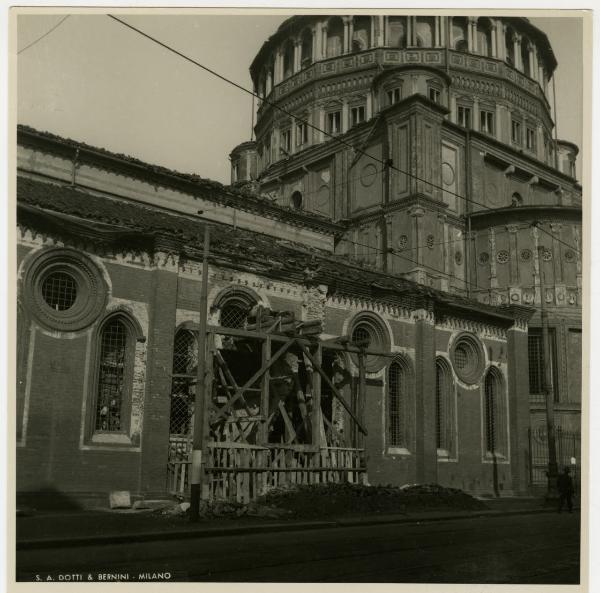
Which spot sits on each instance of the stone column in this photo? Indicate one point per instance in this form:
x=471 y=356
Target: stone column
x=381 y=31
x=372 y=36
x=493 y=35
x=533 y=62
x=321 y=133
x=471 y=42
x=324 y=41
x=350 y=33
x=513 y=261
x=437 y=26
x=345 y=122
x=500 y=46
x=443 y=27
x=318 y=42
x=293 y=137
x=346 y=37
x=517 y=51
x=425 y=413
x=369 y=106
x=269 y=83
x=410 y=22
x=297 y=55
x=476 y=122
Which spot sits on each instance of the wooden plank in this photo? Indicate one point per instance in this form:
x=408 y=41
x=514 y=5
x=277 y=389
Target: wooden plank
x=255 y=377
x=263 y=435
x=289 y=428
x=334 y=390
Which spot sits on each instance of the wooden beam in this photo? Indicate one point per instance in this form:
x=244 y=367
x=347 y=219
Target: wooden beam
x=334 y=389
x=265 y=386
x=255 y=377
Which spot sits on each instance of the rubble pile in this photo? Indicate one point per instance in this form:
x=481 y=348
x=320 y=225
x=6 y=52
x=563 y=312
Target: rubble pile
x=327 y=500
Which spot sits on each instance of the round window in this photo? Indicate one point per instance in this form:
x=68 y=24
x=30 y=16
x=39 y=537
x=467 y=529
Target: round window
x=63 y=289
x=369 y=332
x=467 y=358
x=59 y=290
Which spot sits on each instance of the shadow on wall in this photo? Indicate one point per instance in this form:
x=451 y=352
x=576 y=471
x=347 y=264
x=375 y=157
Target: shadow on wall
x=47 y=498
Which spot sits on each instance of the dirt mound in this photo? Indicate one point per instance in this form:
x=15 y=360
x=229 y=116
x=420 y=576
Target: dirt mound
x=328 y=500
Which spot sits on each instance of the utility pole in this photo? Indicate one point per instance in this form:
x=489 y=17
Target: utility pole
x=548 y=388
x=201 y=395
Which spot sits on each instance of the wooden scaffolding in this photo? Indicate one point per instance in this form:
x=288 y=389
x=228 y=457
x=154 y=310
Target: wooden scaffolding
x=282 y=407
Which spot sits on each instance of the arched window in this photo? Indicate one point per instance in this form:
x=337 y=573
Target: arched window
x=306 y=56
x=185 y=364
x=297 y=200
x=525 y=57
x=425 y=30
x=368 y=331
x=396 y=33
x=399 y=387
x=361 y=38
x=115 y=375
x=516 y=200
x=444 y=409
x=459 y=33
x=510 y=46
x=335 y=37
x=484 y=36
x=288 y=59
x=234 y=306
x=495 y=441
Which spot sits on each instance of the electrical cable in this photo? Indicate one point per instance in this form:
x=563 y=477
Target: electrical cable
x=314 y=127
x=45 y=34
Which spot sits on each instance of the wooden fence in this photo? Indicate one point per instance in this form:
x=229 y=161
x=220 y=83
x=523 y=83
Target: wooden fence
x=241 y=472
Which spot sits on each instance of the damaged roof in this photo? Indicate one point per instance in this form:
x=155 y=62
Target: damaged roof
x=73 y=214
x=194 y=185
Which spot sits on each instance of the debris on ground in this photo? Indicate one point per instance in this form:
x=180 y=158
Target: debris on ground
x=226 y=509
x=327 y=500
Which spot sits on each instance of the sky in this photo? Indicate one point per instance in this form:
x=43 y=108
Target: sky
x=93 y=80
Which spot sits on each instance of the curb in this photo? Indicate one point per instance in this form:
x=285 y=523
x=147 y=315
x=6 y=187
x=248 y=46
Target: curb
x=36 y=544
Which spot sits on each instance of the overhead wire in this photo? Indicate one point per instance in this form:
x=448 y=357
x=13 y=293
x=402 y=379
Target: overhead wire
x=45 y=34
x=335 y=137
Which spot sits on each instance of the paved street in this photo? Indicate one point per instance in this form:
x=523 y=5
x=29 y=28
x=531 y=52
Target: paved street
x=535 y=548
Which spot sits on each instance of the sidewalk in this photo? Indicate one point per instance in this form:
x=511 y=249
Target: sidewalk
x=79 y=528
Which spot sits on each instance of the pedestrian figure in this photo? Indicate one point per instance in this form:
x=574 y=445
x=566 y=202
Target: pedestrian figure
x=564 y=484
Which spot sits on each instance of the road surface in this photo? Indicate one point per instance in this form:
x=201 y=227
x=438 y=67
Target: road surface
x=535 y=549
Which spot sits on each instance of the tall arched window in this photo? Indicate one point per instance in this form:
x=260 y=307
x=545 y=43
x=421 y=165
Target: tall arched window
x=484 y=36
x=335 y=37
x=396 y=33
x=361 y=38
x=459 y=33
x=525 y=57
x=115 y=374
x=185 y=364
x=288 y=59
x=399 y=388
x=495 y=438
x=425 y=30
x=444 y=409
x=306 y=55
x=510 y=46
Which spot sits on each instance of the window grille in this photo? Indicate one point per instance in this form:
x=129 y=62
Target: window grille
x=111 y=380
x=460 y=357
x=362 y=334
x=441 y=387
x=185 y=361
x=233 y=315
x=59 y=290
x=536 y=365
x=396 y=394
